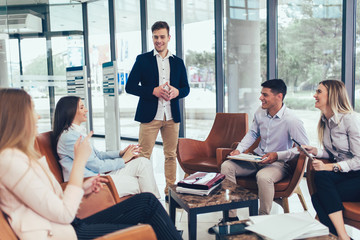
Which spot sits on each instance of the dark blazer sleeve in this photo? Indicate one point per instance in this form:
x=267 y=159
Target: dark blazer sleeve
x=184 y=88
x=133 y=84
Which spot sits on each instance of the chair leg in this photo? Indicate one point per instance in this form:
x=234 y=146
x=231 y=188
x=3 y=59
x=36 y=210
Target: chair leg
x=301 y=198
x=285 y=204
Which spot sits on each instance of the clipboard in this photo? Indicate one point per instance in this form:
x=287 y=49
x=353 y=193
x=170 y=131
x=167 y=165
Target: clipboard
x=303 y=149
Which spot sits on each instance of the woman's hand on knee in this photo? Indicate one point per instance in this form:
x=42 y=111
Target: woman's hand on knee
x=131 y=152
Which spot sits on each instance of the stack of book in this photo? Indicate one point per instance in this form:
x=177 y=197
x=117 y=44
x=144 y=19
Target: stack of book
x=200 y=183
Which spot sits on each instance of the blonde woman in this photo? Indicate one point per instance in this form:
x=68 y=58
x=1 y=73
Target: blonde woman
x=339 y=134
x=33 y=200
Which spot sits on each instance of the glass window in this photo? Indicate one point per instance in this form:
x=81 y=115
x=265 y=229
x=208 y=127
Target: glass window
x=12 y=64
x=67 y=52
x=309 y=50
x=199 y=43
x=35 y=78
x=72 y=21
x=99 y=47
x=245 y=56
x=237 y=3
x=128 y=41
x=357 y=51
x=161 y=10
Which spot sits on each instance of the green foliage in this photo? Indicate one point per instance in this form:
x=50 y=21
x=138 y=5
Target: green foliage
x=302 y=103
x=309 y=47
x=39 y=66
x=200 y=59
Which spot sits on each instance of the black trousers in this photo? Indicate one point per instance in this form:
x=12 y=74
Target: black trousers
x=141 y=208
x=333 y=189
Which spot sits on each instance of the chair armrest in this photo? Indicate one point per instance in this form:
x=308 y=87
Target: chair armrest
x=190 y=148
x=112 y=188
x=310 y=176
x=234 y=145
x=138 y=232
x=221 y=154
x=97 y=202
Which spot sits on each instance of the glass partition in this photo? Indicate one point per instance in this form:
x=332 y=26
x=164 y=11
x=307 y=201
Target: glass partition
x=99 y=47
x=199 y=52
x=128 y=42
x=309 y=50
x=245 y=54
x=34 y=79
x=357 y=66
x=161 y=10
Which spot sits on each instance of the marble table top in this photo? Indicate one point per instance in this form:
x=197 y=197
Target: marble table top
x=227 y=192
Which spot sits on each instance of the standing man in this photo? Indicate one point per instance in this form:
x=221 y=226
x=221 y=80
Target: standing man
x=159 y=78
x=276 y=125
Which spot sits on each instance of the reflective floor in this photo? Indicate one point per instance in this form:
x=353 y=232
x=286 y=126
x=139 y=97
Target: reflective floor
x=207 y=220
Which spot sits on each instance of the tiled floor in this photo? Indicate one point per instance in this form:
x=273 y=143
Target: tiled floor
x=204 y=221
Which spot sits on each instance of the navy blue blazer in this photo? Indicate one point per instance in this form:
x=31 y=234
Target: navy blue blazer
x=144 y=77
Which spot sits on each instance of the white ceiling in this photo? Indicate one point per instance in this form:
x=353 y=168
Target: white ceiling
x=127 y=13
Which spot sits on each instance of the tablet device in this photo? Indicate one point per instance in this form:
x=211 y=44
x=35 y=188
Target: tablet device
x=233 y=229
x=303 y=149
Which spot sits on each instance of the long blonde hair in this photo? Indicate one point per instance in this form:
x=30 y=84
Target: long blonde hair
x=17 y=122
x=338 y=101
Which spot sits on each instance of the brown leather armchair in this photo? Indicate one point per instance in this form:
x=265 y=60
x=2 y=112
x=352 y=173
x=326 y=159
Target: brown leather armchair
x=194 y=155
x=283 y=189
x=138 y=232
x=351 y=209
x=107 y=197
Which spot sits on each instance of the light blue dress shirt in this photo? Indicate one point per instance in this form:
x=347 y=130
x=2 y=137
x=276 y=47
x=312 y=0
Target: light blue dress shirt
x=99 y=162
x=276 y=133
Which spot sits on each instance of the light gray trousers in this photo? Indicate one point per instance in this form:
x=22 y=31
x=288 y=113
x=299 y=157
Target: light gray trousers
x=266 y=176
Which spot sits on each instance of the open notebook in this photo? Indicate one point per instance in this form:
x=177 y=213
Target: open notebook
x=287 y=226
x=246 y=157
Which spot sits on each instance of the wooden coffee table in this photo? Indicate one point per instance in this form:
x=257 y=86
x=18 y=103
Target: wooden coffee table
x=227 y=196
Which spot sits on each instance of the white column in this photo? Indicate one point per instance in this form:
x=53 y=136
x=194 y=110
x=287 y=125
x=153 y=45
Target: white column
x=4 y=78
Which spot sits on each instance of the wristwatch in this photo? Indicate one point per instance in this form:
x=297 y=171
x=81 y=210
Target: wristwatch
x=336 y=168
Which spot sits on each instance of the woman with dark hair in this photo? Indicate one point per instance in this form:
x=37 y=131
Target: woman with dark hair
x=131 y=174
x=339 y=134
x=33 y=200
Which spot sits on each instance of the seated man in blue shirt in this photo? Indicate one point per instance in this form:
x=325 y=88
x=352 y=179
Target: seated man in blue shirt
x=276 y=125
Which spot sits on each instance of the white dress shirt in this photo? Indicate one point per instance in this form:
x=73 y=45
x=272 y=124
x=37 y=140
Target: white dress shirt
x=342 y=141
x=276 y=133
x=163 y=64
